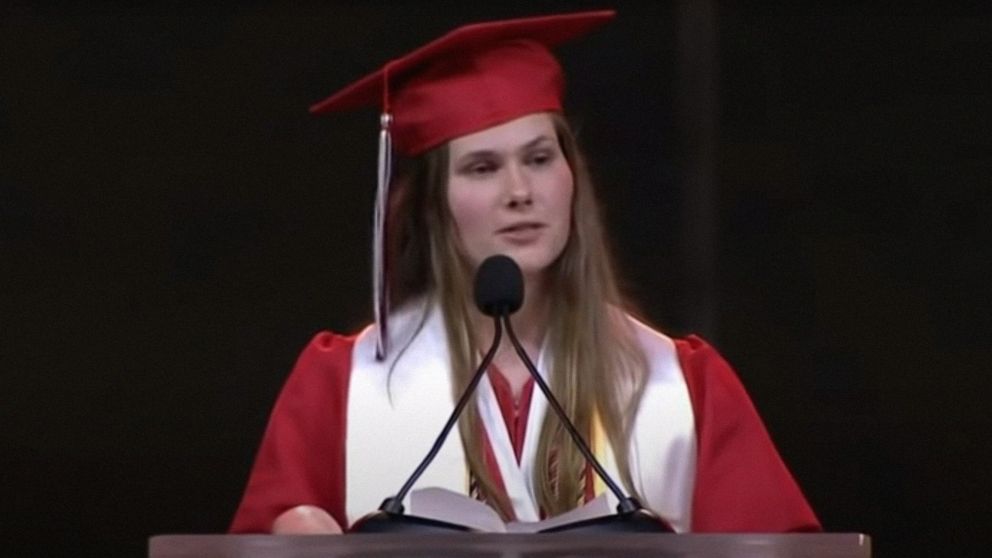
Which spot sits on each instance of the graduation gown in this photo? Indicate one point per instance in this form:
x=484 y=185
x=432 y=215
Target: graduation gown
x=731 y=480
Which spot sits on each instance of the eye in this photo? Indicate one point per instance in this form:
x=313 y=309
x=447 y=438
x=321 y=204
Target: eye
x=479 y=168
x=541 y=158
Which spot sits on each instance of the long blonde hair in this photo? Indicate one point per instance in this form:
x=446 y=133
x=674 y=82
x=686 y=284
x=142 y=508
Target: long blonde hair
x=598 y=367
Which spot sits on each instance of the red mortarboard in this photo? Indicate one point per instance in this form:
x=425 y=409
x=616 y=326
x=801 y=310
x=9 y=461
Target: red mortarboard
x=470 y=79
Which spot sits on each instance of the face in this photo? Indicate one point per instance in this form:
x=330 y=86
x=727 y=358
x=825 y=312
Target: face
x=510 y=192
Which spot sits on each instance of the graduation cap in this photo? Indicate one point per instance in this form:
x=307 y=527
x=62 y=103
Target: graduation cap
x=470 y=79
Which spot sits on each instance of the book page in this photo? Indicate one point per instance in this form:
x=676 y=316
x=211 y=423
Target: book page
x=596 y=507
x=445 y=505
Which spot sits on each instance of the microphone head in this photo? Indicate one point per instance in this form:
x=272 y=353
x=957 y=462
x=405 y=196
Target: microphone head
x=499 y=286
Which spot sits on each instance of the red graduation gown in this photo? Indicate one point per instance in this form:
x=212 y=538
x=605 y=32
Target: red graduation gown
x=741 y=483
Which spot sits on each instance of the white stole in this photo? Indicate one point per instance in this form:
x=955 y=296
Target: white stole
x=397 y=407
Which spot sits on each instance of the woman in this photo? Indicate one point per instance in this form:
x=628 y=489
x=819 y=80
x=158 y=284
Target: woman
x=492 y=168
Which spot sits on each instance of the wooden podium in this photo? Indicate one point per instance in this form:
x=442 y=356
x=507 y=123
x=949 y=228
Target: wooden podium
x=827 y=545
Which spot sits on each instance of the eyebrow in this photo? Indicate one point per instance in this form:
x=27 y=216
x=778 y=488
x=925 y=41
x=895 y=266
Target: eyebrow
x=490 y=152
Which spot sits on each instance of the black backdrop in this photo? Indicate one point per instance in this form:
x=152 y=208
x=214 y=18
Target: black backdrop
x=803 y=184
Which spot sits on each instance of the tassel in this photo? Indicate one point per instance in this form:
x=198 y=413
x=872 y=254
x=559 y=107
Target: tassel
x=380 y=288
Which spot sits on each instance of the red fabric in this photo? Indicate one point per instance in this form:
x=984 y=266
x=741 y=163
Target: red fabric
x=302 y=456
x=470 y=79
x=741 y=485
x=514 y=412
x=497 y=85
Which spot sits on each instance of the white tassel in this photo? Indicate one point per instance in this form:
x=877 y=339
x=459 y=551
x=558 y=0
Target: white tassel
x=380 y=289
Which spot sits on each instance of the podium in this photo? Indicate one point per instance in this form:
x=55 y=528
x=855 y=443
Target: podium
x=634 y=545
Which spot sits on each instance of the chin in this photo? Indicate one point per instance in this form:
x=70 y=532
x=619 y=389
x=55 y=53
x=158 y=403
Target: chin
x=532 y=263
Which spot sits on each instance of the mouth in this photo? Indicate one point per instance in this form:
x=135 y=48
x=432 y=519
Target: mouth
x=520 y=228
x=522 y=234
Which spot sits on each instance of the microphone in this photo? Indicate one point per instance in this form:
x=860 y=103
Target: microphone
x=499 y=286
x=631 y=515
x=499 y=291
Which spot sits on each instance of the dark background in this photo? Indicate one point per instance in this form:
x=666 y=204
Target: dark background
x=806 y=185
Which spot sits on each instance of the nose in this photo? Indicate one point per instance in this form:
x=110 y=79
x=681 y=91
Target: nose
x=518 y=187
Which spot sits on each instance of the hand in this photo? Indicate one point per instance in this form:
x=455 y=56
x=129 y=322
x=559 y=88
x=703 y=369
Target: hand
x=305 y=520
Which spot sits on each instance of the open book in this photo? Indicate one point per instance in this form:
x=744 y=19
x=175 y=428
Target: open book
x=445 y=505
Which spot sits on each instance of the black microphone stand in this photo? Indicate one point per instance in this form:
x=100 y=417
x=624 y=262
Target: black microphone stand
x=499 y=293
x=631 y=515
x=390 y=517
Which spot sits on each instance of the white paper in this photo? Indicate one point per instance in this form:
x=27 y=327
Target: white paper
x=445 y=505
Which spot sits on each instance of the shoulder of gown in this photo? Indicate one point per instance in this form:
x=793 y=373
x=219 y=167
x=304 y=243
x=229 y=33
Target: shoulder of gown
x=742 y=484
x=301 y=457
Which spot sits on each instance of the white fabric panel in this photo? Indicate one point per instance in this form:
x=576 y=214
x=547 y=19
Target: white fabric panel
x=392 y=421
x=388 y=436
